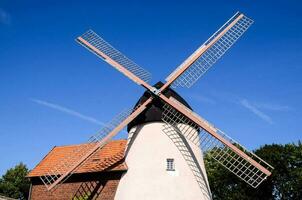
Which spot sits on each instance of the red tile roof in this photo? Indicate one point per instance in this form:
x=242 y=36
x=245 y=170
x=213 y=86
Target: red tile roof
x=108 y=158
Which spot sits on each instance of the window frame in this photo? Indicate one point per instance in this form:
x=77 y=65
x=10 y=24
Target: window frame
x=170 y=164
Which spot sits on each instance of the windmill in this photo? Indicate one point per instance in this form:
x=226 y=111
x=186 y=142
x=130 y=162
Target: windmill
x=188 y=132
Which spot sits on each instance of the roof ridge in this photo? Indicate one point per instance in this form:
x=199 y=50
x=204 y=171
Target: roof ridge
x=74 y=145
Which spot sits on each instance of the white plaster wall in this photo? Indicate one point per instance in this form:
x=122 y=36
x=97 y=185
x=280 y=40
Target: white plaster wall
x=147 y=177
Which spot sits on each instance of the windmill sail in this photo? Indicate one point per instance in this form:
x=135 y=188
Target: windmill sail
x=70 y=162
x=104 y=50
x=209 y=52
x=211 y=140
x=237 y=159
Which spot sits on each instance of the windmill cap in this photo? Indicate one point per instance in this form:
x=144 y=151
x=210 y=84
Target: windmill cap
x=153 y=112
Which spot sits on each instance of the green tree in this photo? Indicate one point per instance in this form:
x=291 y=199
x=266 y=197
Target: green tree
x=284 y=183
x=14 y=184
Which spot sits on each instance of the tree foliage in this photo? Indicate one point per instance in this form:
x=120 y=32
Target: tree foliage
x=284 y=183
x=14 y=184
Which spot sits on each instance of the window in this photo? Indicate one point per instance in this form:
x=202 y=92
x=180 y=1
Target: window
x=170 y=164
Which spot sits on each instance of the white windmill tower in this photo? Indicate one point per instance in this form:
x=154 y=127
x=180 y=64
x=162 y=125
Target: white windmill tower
x=166 y=138
x=160 y=160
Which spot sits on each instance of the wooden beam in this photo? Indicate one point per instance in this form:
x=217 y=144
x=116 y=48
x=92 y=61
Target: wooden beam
x=200 y=51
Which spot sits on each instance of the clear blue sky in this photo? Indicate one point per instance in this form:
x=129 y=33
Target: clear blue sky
x=54 y=92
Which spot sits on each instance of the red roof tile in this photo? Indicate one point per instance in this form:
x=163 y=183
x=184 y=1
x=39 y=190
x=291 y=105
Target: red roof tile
x=108 y=158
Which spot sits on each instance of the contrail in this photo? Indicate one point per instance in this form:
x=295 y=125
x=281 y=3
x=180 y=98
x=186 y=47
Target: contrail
x=245 y=103
x=67 y=111
x=274 y=107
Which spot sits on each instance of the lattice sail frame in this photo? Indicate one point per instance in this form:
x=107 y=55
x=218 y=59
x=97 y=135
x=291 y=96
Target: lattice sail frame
x=65 y=163
x=198 y=173
x=213 y=53
x=213 y=147
x=99 y=43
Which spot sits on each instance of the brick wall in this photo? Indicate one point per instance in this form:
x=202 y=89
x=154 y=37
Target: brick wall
x=97 y=186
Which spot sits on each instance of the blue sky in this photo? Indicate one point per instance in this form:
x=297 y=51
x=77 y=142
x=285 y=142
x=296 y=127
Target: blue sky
x=54 y=92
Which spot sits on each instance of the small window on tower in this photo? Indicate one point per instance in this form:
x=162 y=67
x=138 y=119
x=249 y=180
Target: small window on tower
x=170 y=164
